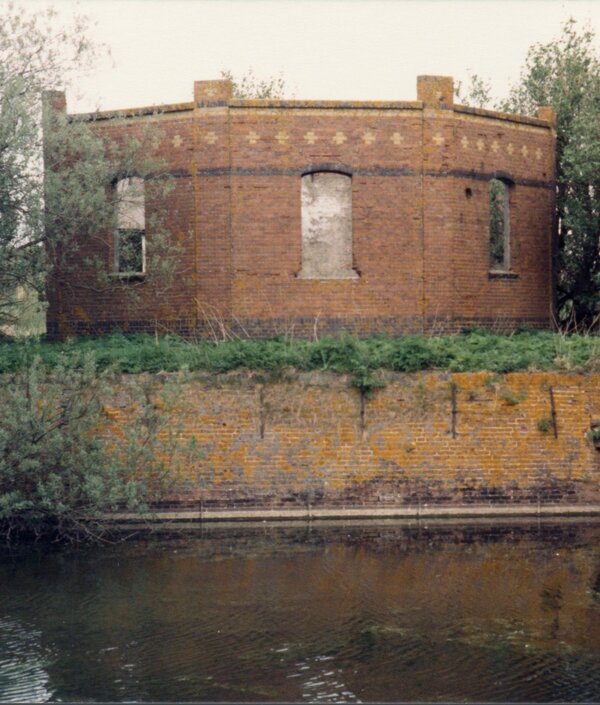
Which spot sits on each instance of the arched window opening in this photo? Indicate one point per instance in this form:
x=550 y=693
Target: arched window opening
x=326 y=202
x=130 y=234
x=499 y=225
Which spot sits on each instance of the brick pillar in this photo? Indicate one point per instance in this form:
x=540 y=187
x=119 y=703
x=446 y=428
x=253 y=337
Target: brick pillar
x=55 y=100
x=547 y=113
x=213 y=91
x=436 y=91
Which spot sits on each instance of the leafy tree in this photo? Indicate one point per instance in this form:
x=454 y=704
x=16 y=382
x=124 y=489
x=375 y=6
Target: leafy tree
x=565 y=74
x=44 y=218
x=249 y=86
x=35 y=54
x=57 y=176
x=476 y=92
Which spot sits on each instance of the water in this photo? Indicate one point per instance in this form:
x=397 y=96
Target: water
x=309 y=614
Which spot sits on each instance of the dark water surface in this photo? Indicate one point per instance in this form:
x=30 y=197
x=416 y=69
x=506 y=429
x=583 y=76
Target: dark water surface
x=310 y=614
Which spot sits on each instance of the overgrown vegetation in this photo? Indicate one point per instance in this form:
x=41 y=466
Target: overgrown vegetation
x=565 y=74
x=58 y=175
x=473 y=350
x=60 y=469
x=250 y=86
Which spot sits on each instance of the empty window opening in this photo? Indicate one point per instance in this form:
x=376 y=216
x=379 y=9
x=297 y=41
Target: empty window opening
x=499 y=225
x=326 y=202
x=130 y=234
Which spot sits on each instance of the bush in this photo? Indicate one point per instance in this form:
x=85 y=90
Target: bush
x=58 y=476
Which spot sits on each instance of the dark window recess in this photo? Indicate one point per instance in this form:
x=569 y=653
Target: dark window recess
x=499 y=225
x=130 y=250
x=130 y=233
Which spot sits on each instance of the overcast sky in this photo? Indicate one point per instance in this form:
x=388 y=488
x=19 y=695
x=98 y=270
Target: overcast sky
x=324 y=49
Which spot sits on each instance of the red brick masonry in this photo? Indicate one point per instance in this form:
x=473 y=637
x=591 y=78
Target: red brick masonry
x=420 y=175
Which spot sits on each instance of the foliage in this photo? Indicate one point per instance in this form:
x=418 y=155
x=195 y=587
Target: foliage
x=545 y=424
x=473 y=350
x=44 y=217
x=53 y=474
x=510 y=398
x=249 y=86
x=565 y=74
x=476 y=92
x=35 y=55
x=59 y=474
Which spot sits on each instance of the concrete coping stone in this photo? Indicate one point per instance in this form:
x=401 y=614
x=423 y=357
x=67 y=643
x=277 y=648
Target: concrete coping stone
x=306 y=105
x=304 y=513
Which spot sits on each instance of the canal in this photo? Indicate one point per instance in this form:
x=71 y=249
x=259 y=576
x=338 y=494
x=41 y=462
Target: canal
x=309 y=613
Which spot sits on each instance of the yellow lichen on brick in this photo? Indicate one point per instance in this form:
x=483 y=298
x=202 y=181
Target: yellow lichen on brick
x=415 y=440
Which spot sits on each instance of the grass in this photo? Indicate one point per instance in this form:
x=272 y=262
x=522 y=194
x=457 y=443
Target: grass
x=471 y=351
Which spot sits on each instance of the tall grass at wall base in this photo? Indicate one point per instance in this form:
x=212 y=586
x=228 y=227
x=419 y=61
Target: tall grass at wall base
x=472 y=351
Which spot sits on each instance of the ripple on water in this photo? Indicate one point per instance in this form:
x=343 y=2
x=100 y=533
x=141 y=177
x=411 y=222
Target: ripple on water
x=349 y=617
x=23 y=674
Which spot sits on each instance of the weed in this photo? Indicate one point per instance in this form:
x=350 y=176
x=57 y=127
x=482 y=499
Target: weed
x=366 y=383
x=593 y=435
x=545 y=424
x=491 y=381
x=511 y=398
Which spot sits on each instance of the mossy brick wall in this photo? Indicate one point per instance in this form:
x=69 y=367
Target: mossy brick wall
x=420 y=218
x=423 y=439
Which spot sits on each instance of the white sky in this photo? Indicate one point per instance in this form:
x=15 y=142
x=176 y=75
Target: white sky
x=324 y=49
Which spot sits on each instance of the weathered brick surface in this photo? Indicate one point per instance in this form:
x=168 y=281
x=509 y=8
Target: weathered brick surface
x=420 y=219
x=423 y=439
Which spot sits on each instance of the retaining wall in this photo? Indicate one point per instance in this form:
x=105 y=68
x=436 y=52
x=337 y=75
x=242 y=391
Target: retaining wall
x=424 y=440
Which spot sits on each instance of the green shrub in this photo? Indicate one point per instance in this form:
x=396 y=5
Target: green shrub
x=58 y=476
x=593 y=434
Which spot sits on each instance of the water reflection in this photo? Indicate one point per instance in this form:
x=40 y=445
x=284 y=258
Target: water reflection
x=309 y=614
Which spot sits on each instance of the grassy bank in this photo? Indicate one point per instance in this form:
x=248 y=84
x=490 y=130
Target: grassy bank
x=471 y=351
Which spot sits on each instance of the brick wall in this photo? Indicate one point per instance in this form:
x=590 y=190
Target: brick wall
x=420 y=218
x=424 y=439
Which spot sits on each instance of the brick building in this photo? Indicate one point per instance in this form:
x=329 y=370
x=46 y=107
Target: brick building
x=306 y=217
